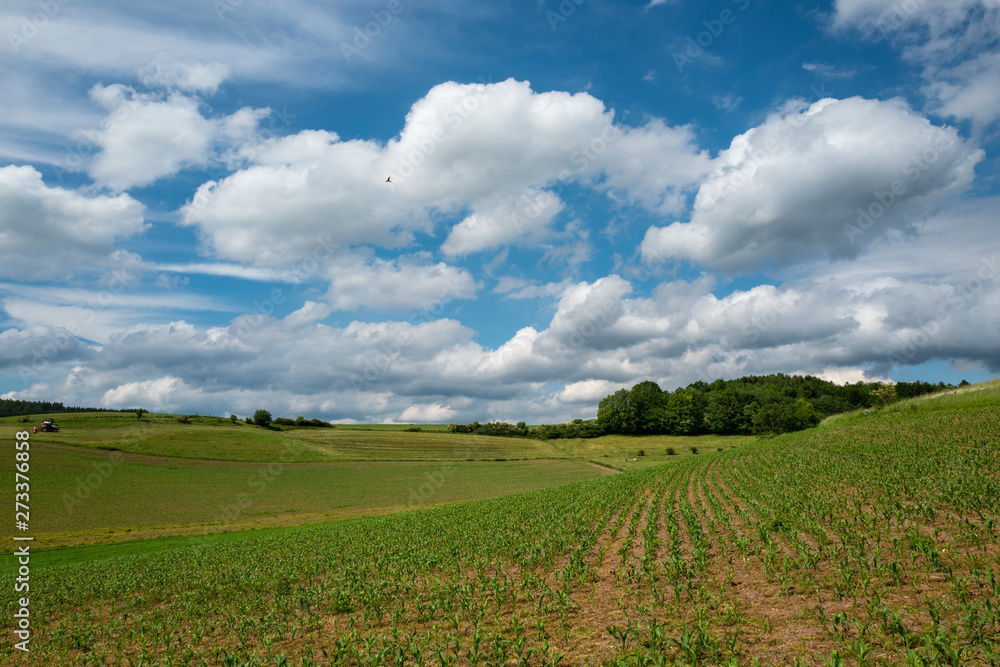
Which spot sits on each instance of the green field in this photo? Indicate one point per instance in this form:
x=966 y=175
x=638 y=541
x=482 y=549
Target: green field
x=214 y=438
x=873 y=539
x=84 y=496
x=109 y=477
x=218 y=439
x=618 y=451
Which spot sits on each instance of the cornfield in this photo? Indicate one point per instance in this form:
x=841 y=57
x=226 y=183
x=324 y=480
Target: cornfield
x=873 y=541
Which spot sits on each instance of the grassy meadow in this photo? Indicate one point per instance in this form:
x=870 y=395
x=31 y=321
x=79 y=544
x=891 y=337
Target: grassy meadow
x=218 y=439
x=873 y=539
x=90 y=496
x=109 y=477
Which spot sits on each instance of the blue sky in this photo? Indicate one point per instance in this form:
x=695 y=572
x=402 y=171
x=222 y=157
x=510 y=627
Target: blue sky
x=195 y=217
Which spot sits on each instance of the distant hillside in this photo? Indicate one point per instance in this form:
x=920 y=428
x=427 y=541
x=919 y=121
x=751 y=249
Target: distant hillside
x=11 y=408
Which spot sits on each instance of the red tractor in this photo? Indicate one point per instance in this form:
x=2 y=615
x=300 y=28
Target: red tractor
x=46 y=427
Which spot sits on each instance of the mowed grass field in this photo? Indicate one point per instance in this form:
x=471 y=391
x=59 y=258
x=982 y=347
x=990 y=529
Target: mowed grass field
x=109 y=477
x=85 y=490
x=85 y=497
x=873 y=539
x=215 y=438
x=218 y=439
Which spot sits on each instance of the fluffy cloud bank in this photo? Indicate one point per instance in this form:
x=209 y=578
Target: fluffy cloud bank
x=49 y=232
x=492 y=155
x=601 y=336
x=148 y=136
x=30 y=350
x=826 y=180
x=403 y=284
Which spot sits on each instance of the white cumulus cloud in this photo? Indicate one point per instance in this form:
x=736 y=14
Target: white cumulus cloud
x=148 y=136
x=403 y=284
x=503 y=219
x=157 y=395
x=47 y=232
x=826 y=180
x=431 y=414
x=494 y=155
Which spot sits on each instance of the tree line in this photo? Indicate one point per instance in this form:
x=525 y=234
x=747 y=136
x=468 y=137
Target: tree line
x=263 y=418
x=13 y=408
x=578 y=428
x=751 y=405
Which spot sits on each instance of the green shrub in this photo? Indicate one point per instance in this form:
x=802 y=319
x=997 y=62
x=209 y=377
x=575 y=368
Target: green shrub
x=262 y=418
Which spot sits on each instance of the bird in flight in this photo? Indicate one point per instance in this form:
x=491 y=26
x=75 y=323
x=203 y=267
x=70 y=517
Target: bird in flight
x=389 y=180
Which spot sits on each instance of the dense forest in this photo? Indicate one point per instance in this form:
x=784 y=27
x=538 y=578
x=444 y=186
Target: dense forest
x=751 y=405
